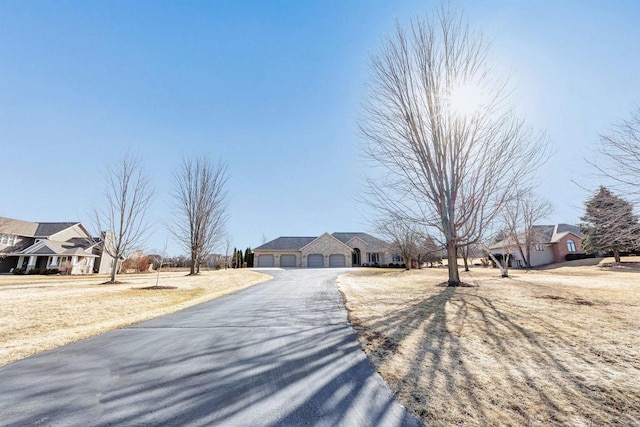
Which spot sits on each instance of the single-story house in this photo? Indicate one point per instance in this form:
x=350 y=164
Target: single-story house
x=327 y=250
x=48 y=245
x=551 y=244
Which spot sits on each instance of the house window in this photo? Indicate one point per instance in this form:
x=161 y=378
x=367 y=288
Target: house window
x=396 y=258
x=7 y=239
x=571 y=245
x=539 y=247
x=374 y=258
x=520 y=263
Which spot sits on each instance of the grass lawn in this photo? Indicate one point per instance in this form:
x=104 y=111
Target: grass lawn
x=39 y=313
x=559 y=346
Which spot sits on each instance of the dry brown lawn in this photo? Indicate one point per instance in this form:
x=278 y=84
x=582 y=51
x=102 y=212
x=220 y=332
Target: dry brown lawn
x=559 y=346
x=39 y=313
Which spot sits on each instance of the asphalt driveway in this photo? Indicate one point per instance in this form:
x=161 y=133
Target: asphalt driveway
x=278 y=354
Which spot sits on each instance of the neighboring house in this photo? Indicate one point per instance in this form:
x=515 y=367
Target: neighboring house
x=551 y=244
x=328 y=250
x=47 y=245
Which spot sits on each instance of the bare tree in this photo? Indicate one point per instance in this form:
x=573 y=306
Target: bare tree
x=199 y=207
x=469 y=251
x=504 y=238
x=123 y=214
x=162 y=255
x=405 y=239
x=621 y=150
x=520 y=215
x=429 y=251
x=228 y=243
x=437 y=124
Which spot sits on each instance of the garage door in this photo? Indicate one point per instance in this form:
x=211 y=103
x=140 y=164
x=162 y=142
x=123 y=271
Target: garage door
x=337 y=261
x=315 y=261
x=287 y=260
x=265 y=261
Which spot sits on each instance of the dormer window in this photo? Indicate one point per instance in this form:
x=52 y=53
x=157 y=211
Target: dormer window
x=571 y=245
x=7 y=239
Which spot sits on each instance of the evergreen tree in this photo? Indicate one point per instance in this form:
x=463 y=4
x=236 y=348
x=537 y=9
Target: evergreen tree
x=237 y=258
x=609 y=224
x=248 y=257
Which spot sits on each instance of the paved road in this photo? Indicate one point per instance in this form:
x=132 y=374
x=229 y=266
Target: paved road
x=278 y=354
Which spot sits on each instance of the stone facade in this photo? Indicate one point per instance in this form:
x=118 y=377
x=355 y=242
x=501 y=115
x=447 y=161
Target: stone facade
x=380 y=248
x=278 y=254
x=326 y=245
x=337 y=249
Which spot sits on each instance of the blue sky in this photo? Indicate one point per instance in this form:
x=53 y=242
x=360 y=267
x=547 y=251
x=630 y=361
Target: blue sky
x=274 y=89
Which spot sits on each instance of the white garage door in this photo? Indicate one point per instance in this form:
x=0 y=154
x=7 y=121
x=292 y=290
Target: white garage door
x=265 y=261
x=315 y=261
x=337 y=261
x=287 y=260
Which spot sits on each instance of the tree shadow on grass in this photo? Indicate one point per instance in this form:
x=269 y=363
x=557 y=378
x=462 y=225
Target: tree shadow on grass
x=477 y=363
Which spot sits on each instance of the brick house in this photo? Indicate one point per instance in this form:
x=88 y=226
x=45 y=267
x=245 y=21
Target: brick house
x=551 y=244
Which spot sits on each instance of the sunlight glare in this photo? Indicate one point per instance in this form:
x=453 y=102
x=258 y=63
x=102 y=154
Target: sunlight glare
x=465 y=100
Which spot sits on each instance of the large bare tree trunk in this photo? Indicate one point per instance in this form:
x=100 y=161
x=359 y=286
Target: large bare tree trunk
x=452 y=261
x=616 y=256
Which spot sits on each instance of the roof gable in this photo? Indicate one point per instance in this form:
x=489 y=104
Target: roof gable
x=562 y=230
x=39 y=248
x=356 y=239
x=326 y=235
x=365 y=237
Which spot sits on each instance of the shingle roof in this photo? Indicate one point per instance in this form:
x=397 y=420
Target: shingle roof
x=562 y=229
x=73 y=246
x=18 y=227
x=286 y=244
x=297 y=243
x=32 y=229
x=367 y=238
x=541 y=233
x=46 y=229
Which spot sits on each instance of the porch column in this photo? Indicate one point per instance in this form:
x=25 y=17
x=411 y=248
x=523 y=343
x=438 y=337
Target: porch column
x=53 y=261
x=20 y=261
x=32 y=262
x=91 y=262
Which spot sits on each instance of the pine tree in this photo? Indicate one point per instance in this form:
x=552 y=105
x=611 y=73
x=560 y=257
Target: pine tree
x=248 y=257
x=609 y=224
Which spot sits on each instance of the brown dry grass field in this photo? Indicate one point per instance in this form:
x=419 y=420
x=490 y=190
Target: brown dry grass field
x=39 y=313
x=559 y=346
